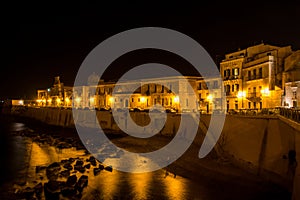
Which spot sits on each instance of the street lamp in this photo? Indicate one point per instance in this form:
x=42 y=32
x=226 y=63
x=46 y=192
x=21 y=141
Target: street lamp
x=242 y=94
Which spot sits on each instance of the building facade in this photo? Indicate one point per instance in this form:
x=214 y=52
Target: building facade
x=260 y=76
x=253 y=77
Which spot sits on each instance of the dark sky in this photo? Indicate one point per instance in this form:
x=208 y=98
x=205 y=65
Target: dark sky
x=40 y=43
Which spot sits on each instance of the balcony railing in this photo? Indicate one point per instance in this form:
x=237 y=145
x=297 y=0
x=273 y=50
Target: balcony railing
x=254 y=77
x=253 y=94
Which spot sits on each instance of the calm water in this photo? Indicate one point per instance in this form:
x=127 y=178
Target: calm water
x=20 y=156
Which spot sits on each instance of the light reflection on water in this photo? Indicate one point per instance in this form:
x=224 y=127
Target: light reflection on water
x=106 y=185
x=17 y=126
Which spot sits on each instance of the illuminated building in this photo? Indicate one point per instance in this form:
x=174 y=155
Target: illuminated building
x=253 y=76
x=291 y=80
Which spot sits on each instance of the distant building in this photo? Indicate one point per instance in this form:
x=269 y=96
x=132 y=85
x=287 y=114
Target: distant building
x=257 y=77
x=57 y=95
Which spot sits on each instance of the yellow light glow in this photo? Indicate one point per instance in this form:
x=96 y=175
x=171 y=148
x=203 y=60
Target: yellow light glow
x=21 y=102
x=209 y=97
x=67 y=100
x=111 y=99
x=38 y=100
x=176 y=99
x=78 y=99
x=49 y=100
x=58 y=100
x=241 y=94
x=92 y=99
x=143 y=99
x=44 y=100
x=265 y=92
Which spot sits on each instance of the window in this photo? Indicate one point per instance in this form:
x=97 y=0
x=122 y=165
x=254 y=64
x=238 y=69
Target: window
x=200 y=86
x=233 y=72
x=200 y=96
x=260 y=72
x=207 y=84
x=232 y=88
x=249 y=75
x=236 y=71
x=236 y=105
x=228 y=72
x=224 y=73
x=227 y=105
x=162 y=89
x=249 y=105
x=215 y=84
x=237 y=87
x=132 y=99
x=139 y=100
x=170 y=101
x=254 y=104
x=260 y=105
x=254 y=73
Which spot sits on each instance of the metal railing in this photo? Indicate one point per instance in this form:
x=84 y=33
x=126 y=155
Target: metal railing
x=290 y=113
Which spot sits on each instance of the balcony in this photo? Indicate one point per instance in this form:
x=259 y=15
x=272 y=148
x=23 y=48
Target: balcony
x=254 y=96
x=254 y=77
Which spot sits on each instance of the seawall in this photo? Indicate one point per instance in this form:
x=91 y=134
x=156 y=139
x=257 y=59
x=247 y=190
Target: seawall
x=259 y=144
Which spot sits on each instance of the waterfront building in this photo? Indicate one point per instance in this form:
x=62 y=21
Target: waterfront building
x=291 y=80
x=253 y=76
x=257 y=77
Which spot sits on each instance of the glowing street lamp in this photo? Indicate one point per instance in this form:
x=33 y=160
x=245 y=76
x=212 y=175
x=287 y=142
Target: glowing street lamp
x=143 y=99
x=265 y=92
x=176 y=99
x=241 y=94
x=58 y=101
x=209 y=97
x=67 y=100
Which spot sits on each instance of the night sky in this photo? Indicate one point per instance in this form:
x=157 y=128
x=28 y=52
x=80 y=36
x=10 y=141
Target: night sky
x=38 y=44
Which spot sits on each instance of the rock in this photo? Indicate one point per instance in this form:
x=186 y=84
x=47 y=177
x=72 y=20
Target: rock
x=52 y=190
x=52 y=171
x=79 y=168
x=68 y=166
x=64 y=161
x=101 y=166
x=65 y=173
x=39 y=168
x=87 y=166
x=79 y=163
x=71 y=180
x=38 y=189
x=82 y=183
x=54 y=165
x=71 y=160
x=108 y=168
x=92 y=160
x=68 y=191
x=96 y=171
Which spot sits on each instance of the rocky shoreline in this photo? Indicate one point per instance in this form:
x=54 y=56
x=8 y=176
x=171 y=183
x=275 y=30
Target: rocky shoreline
x=68 y=178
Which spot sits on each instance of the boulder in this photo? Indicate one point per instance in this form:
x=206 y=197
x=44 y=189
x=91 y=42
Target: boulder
x=82 y=183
